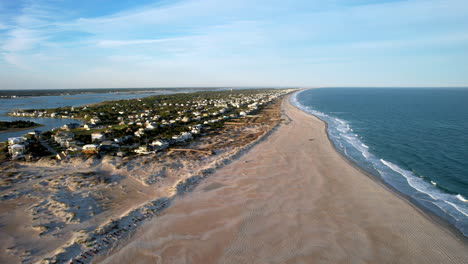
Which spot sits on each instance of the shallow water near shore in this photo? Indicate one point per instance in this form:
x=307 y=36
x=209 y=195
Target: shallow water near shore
x=415 y=140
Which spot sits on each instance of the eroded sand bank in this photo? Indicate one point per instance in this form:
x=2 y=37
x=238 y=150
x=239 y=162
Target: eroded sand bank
x=291 y=199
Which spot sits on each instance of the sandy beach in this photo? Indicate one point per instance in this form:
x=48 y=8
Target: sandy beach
x=291 y=199
x=70 y=210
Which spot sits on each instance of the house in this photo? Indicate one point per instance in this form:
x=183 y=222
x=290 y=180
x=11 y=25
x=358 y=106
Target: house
x=97 y=136
x=151 y=126
x=61 y=156
x=71 y=126
x=144 y=150
x=63 y=137
x=71 y=143
x=16 y=151
x=196 y=129
x=160 y=144
x=15 y=140
x=140 y=132
x=95 y=120
x=90 y=149
x=35 y=133
x=88 y=126
x=184 y=136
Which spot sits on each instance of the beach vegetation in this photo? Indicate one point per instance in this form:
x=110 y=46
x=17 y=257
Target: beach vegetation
x=17 y=125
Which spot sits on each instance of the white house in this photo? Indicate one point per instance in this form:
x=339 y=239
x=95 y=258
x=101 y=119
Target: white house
x=184 y=136
x=97 y=136
x=90 y=148
x=160 y=144
x=94 y=120
x=151 y=126
x=16 y=150
x=196 y=129
x=140 y=132
x=15 y=140
x=144 y=150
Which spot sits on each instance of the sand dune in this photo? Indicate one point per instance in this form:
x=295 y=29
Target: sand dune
x=291 y=199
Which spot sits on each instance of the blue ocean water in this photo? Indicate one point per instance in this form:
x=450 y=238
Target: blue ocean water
x=414 y=139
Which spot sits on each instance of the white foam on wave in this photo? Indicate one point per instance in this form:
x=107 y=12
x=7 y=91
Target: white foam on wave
x=461 y=198
x=413 y=181
x=342 y=132
x=420 y=185
x=457 y=208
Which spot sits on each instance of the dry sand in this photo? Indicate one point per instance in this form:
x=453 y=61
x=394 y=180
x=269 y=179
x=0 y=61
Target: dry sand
x=291 y=199
x=57 y=210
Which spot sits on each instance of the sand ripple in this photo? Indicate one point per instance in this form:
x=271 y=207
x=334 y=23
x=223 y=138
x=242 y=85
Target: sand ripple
x=291 y=199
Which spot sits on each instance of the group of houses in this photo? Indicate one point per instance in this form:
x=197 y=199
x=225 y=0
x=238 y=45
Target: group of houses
x=104 y=142
x=18 y=147
x=143 y=118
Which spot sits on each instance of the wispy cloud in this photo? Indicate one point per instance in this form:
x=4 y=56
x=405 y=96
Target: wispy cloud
x=263 y=41
x=116 y=43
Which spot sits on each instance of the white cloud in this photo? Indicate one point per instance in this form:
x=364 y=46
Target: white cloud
x=20 y=39
x=198 y=38
x=116 y=43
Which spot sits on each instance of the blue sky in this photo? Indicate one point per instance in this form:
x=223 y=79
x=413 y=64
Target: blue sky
x=130 y=43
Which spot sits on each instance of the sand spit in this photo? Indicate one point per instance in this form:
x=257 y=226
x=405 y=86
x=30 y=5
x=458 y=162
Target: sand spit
x=56 y=211
x=291 y=199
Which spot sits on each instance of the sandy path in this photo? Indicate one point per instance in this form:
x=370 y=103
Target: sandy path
x=291 y=199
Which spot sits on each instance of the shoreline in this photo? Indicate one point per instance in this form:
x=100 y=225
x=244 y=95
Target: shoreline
x=291 y=197
x=408 y=199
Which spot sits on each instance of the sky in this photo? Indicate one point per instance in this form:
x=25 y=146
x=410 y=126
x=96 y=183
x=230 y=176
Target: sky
x=306 y=43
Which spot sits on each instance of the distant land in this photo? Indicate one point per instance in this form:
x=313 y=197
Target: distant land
x=58 y=92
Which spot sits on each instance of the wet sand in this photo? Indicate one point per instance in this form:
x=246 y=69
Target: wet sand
x=291 y=199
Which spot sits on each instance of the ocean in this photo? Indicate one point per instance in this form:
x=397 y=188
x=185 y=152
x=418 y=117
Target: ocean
x=413 y=139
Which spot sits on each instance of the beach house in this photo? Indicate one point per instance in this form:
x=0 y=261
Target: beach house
x=16 y=151
x=15 y=140
x=182 y=137
x=144 y=150
x=90 y=149
x=97 y=136
x=160 y=144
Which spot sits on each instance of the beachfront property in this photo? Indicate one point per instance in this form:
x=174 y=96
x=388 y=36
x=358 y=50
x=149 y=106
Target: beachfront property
x=15 y=140
x=144 y=150
x=16 y=151
x=90 y=149
x=129 y=125
x=160 y=144
x=17 y=147
x=97 y=136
